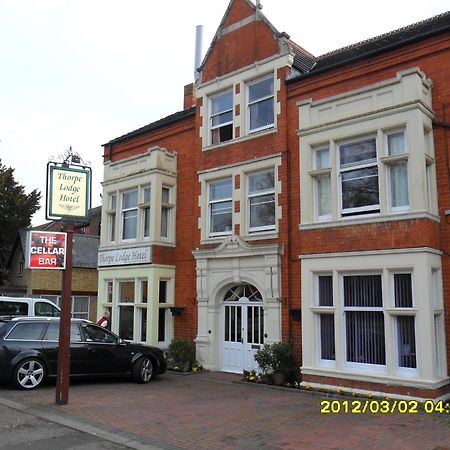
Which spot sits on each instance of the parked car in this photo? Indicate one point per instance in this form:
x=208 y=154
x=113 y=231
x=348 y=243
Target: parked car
x=25 y=306
x=29 y=352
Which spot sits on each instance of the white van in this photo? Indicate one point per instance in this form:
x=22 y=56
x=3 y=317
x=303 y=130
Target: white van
x=24 y=306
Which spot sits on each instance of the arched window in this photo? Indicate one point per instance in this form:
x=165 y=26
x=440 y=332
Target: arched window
x=243 y=291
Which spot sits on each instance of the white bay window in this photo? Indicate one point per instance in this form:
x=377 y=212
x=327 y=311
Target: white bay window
x=131 y=216
x=369 y=148
x=140 y=304
x=375 y=324
x=361 y=166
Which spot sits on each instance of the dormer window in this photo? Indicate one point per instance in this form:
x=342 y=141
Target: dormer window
x=221 y=119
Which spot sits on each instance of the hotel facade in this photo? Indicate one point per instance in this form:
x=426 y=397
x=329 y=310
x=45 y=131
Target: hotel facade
x=293 y=198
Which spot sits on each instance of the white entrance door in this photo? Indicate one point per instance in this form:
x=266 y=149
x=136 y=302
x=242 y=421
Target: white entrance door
x=243 y=320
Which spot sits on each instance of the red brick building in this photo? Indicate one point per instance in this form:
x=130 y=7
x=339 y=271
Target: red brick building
x=287 y=184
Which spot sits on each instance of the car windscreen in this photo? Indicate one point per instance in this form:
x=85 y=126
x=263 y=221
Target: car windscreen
x=29 y=331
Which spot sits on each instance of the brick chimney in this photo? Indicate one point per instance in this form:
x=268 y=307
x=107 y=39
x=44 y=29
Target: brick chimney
x=189 y=98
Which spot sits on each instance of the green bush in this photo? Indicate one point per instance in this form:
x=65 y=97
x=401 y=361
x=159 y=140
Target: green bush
x=182 y=352
x=276 y=358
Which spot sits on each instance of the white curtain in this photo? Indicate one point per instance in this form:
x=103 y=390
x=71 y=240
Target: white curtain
x=399 y=184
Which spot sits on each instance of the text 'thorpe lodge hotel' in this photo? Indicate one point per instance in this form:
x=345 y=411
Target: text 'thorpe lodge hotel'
x=293 y=198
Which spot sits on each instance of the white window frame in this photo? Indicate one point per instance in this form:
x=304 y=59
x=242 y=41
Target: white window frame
x=383 y=163
x=211 y=116
x=81 y=314
x=145 y=208
x=130 y=304
x=111 y=215
x=222 y=200
x=125 y=210
x=168 y=207
x=349 y=167
x=390 y=312
x=390 y=160
x=396 y=311
x=439 y=320
x=260 y=100
x=317 y=173
x=319 y=311
x=260 y=193
x=167 y=314
x=374 y=368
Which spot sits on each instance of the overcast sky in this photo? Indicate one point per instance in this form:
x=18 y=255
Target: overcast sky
x=82 y=72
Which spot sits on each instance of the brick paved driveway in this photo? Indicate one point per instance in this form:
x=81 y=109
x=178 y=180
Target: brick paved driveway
x=215 y=411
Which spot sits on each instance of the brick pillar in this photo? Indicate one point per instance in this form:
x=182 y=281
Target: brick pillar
x=189 y=99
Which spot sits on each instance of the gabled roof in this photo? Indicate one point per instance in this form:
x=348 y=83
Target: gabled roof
x=21 y=239
x=309 y=65
x=303 y=60
x=168 y=120
x=222 y=24
x=379 y=44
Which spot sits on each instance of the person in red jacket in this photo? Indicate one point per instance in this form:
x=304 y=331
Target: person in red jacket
x=104 y=320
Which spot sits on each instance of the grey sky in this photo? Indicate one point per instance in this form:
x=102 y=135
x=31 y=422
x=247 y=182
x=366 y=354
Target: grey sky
x=82 y=72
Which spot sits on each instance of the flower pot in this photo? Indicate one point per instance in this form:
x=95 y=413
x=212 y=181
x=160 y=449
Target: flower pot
x=279 y=378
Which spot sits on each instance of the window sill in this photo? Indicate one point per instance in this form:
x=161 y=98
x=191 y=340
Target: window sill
x=362 y=220
x=261 y=235
x=346 y=374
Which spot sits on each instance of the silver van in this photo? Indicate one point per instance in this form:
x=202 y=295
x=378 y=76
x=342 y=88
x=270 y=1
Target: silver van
x=25 y=306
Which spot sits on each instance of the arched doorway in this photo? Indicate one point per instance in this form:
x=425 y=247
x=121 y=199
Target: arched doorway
x=243 y=327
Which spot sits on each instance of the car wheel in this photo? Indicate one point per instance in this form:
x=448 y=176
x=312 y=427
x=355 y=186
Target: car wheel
x=142 y=370
x=29 y=373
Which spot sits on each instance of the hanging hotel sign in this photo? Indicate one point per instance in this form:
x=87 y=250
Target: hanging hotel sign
x=125 y=256
x=68 y=191
x=46 y=250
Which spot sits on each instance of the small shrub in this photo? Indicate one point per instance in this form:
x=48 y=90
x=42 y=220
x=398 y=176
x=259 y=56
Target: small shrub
x=276 y=358
x=182 y=352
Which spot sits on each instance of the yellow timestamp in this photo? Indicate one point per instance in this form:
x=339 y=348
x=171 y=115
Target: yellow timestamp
x=383 y=407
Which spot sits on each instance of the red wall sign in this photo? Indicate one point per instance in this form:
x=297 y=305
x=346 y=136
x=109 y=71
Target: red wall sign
x=47 y=250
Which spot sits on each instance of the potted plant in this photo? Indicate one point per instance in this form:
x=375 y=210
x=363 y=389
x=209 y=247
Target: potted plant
x=196 y=366
x=277 y=360
x=182 y=352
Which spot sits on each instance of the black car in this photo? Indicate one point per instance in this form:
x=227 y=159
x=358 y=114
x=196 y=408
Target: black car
x=29 y=352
